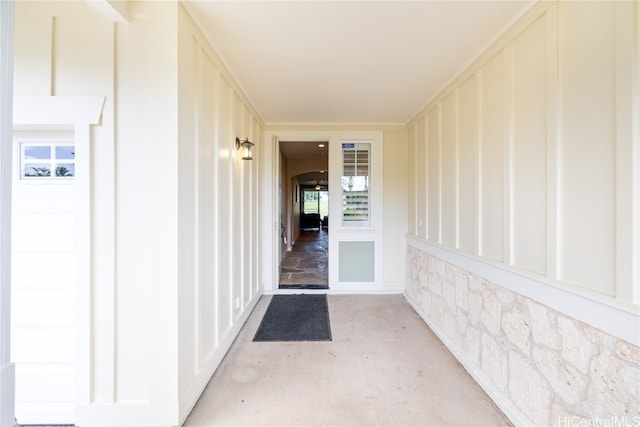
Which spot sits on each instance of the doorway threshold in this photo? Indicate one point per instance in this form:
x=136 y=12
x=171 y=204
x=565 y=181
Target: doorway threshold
x=303 y=286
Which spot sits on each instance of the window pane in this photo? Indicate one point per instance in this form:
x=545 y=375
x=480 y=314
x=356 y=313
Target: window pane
x=65 y=169
x=37 y=152
x=36 y=170
x=65 y=152
x=355 y=184
x=310 y=202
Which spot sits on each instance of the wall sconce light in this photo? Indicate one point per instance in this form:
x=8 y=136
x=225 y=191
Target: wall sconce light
x=246 y=148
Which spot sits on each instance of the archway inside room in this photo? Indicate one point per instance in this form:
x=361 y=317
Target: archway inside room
x=304 y=212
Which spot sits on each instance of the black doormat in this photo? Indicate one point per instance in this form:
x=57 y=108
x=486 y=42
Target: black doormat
x=302 y=317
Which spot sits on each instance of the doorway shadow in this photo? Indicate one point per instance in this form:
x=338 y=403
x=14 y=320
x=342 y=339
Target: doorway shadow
x=305 y=266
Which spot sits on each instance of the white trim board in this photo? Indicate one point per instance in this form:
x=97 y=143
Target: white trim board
x=56 y=110
x=608 y=316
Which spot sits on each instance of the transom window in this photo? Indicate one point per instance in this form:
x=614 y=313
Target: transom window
x=47 y=160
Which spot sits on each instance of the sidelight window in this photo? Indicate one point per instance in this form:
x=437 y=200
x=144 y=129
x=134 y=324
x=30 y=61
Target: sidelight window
x=355 y=184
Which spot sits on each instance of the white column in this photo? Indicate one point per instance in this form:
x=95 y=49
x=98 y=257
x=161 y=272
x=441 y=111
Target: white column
x=7 y=374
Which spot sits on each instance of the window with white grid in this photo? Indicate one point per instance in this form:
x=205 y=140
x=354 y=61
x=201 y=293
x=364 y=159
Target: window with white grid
x=47 y=160
x=355 y=184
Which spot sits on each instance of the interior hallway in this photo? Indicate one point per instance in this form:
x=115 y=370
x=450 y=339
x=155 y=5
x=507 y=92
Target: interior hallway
x=384 y=367
x=305 y=266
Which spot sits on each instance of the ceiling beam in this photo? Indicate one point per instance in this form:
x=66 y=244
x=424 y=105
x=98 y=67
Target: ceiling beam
x=113 y=10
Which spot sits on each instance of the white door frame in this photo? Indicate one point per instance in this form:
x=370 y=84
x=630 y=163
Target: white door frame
x=271 y=206
x=7 y=370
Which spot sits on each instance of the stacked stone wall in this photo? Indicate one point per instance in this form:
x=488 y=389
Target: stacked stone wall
x=554 y=369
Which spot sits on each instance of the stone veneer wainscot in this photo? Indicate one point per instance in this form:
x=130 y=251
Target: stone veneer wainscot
x=540 y=366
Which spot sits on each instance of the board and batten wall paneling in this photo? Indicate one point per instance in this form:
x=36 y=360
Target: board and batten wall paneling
x=530 y=152
x=492 y=164
x=449 y=171
x=421 y=159
x=219 y=283
x=433 y=174
x=208 y=78
x=413 y=217
x=224 y=231
x=587 y=150
x=467 y=158
x=528 y=149
x=187 y=208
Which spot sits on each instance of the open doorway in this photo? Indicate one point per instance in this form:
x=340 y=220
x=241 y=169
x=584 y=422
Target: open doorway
x=304 y=212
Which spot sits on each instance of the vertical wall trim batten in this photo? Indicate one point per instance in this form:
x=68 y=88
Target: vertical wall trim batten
x=624 y=151
x=553 y=141
x=456 y=165
x=635 y=179
x=84 y=267
x=439 y=162
x=196 y=59
x=216 y=206
x=508 y=153
x=478 y=177
x=412 y=211
x=109 y=222
x=425 y=139
x=52 y=57
x=479 y=165
x=420 y=161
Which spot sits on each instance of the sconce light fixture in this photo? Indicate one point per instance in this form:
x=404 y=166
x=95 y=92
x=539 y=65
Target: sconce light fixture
x=246 y=148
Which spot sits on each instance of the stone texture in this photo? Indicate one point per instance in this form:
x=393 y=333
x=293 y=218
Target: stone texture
x=569 y=384
x=628 y=352
x=516 y=327
x=491 y=314
x=471 y=344
x=476 y=283
x=435 y=284
x=528 y=390
x=494 y=361
x=555 y=369
x=564 y=417
x=614 y=387
x=577 y=349
x=462 y=292
x=543 y=329
x=437 y=310
x=449 y=293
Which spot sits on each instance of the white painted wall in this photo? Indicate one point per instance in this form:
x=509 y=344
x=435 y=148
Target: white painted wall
x=172 y=257
x=523 y=228
x=218 y=211
x=7 y=369
x=529 y=159
x=394 y=211
x=43 y=281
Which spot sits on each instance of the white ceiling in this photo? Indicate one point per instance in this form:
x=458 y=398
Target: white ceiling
x=356 y=62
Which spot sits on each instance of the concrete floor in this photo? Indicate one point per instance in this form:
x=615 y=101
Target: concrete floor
x=384 y=367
